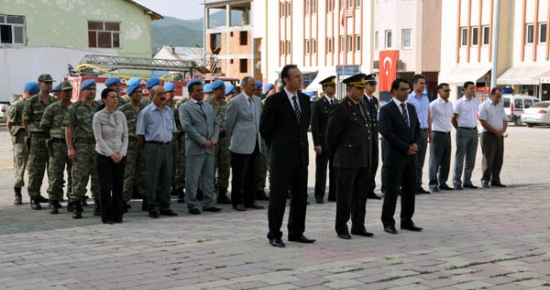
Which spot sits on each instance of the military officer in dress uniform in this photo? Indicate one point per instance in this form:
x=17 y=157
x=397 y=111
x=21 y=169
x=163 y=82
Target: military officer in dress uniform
x=372 y=106
x=319 y=118
x=349 y=140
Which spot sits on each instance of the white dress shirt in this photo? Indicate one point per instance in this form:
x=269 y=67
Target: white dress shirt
x=467 y=112
x=442 y=112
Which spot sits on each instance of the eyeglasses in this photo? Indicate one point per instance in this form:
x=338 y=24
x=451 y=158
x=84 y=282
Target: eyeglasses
x=446 y=91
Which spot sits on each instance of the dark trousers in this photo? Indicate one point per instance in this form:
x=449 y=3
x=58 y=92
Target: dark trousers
x=158 y=163
x=283 y=179
x=492 y=148
x=422 y=148
x=321 y=162
x=351 y=198
x=395 y=176
x=245 y=169
x=440 y=158
x=374 y=168
x=111 y=181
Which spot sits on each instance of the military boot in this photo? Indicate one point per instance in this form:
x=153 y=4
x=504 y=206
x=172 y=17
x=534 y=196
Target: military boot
x=70 y=205
x=18 y=197
x=97 y=209
x=222 y=196
x=53 y=207
x=83 y=202
x=77 y=212
x=35 y=204
x=40 y=198
x=181 y=195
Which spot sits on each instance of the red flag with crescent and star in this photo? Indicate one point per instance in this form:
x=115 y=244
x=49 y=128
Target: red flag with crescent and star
x=388 y=68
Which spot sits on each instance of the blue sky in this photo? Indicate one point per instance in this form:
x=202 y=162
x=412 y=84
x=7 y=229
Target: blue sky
x=184 y=9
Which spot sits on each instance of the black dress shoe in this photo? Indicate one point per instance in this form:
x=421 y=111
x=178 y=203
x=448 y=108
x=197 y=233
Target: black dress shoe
x=344 y=235
x=301 y=239
x=277 y=243
x=362 y=233
x=373 y=195
x=168 y=212
x=390 y=230
x=421 y=190
x=471 y=186
x=411 y=227
x=212 y=209
x=498 y=185
x=194 y=211
x=154 y=214
x=445 y=187
x=458 y=187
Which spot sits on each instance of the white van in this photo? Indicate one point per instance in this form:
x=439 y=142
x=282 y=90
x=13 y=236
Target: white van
x=514 y=104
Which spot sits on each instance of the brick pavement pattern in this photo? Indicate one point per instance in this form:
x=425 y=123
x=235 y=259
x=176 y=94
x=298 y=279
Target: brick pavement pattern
x=472 y=239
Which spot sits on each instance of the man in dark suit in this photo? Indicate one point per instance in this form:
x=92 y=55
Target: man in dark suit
x=283 y=125
x=319 y=119
x=401 y=131
x=372 y=105
x=349 y=140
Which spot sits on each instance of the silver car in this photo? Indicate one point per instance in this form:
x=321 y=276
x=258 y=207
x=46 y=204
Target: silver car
x=537 y=114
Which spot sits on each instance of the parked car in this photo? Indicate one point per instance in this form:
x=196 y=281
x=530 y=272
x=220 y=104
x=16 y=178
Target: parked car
x=4 y=108
x=514 y=104
x=537 y=114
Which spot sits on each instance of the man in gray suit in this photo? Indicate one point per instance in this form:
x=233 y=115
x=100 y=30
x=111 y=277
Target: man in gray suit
x=201 y=135
x=242 y=124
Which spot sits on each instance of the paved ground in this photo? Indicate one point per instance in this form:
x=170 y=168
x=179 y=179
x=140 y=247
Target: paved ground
x=474 y=239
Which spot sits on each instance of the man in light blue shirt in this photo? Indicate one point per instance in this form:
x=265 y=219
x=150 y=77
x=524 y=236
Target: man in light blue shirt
x=155 y=129
x=421 y=103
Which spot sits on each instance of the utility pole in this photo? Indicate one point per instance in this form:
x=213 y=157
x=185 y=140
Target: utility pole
x=496 y=23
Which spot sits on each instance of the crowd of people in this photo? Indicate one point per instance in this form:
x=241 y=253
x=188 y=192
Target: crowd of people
x=151 y=148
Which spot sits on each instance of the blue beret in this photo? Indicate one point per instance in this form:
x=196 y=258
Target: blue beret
x=193 y=81
x=229 y=89
x=132 y=87
x=259 y=85
x=169 y=87
x=154 y=81
x=133 y=80
x=218 y=84
x=55 y=89
x=268 y=87
x=207 y=88
x=31 y=87
x=112 y=81
x=87 y=83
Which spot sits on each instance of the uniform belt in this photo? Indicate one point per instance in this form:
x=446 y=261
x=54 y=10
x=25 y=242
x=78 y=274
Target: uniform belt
x=468 y=128
x=39 y=135
x=85 y=140
x=441 y=132
x=160 y=143
x=58 y=139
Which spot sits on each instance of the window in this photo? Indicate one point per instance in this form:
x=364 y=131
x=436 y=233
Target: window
x=243 y=65
x=306 y=3
x=243 y=37
x=464 y=38
x=288 y=51
x=330 y=5
x=407 y=41
x=486 y=35
x=388 y=43
x=542 y=33
x=350 y=3
x=342 y=43
x=314 y=6
x=358 y=42
x=350 y=43
x=330 y=45
x=282 y=9
x=530 y=33
x=12 y=29
x=475 y=33
x=376 y=40
x=314 y=46
x=103 y=34
x=307 y=46
x=288 y=9
x=357 y=3
x=282 y=47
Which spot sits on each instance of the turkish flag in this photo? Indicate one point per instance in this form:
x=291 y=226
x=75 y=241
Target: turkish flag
x=387 y=63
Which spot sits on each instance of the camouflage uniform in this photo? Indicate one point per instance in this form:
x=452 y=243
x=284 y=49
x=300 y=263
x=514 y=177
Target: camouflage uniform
x=179 y=180
x=33 y=110
x=264 y=161
x=18 y=134
x=121 y=102
x=80 y=116
x=222 y=157
x=145 y=102
x=135 y=173
x=175 y=144
x=57 y=146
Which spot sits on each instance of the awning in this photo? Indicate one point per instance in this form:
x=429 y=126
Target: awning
x=323 y=73
x=522 y=75
x=545 y=79
x=460 y=75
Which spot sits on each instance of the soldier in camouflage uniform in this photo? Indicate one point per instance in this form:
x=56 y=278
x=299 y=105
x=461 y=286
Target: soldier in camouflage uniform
x=113 y=83
x=179 y=180
x=170 y=89
x=222 y=155
x=38 y=154
x=80 y=140
x=52 y=123
x=154 y=81
x=18 y=134
x=264 y=155
x=135 y=177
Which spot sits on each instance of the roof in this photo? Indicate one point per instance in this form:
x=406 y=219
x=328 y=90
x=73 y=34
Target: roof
x=154 y=15
x=186 y=53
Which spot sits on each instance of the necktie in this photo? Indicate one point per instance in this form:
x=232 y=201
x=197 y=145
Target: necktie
x=251 y=105
x=200 y=105
x=297 y=111
x=331 y=102
x=405 y=115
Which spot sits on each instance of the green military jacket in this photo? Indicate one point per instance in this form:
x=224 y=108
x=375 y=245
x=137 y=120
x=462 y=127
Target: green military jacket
x=131 y=117
x=177 y=112
x=219 y=111
x=121 y=102
x=15 y=116
x=33 y=110
x=145 y=102
x=80 y=117
x=53 y=118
